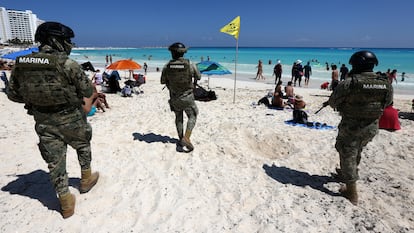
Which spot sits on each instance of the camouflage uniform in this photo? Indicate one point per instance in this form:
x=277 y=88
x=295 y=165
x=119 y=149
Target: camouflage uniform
x=177 y=75
x=52 y=86
x=360 y=100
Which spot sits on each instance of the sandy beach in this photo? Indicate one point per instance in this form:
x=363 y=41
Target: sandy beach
x=249 y=171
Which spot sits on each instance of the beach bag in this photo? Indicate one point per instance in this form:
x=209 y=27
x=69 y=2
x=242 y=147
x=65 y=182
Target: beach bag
x=202 y=94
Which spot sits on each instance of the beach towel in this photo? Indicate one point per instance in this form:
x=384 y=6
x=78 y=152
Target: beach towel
x=311 y=125
x=276 y=108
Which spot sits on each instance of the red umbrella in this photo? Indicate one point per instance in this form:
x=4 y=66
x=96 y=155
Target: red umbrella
x=126 y=64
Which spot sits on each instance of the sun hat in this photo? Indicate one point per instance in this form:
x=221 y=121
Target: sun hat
x=298 y=98
x=298 y=61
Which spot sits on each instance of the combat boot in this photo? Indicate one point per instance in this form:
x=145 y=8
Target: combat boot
x=185 y=141
x=67 y=204
x=338 y=176
x=88 y=180
x=349 y=191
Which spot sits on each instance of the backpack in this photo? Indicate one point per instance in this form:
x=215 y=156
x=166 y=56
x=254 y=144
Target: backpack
x=202 y=94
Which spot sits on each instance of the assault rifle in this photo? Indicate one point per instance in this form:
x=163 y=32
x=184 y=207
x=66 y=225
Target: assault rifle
x=323 y=106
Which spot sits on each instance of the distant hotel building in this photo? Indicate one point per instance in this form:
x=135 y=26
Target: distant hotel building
x=18 y=24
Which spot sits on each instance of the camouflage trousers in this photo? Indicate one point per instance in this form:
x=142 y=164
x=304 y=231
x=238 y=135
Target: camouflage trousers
x=353 y=136
x=53 y=141
x=179 y=106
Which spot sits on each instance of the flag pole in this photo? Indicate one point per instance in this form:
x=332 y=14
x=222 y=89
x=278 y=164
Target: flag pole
x=235 y=71
x=233 y=28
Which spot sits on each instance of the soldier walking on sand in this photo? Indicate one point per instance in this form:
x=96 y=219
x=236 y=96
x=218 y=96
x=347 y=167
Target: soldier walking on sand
x=360 y=99
x=178 y=76
x=53 y=88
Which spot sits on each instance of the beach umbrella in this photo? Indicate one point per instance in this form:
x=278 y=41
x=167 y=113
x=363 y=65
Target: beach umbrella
x=126 y=64
x=14 y=55
x=212 y=68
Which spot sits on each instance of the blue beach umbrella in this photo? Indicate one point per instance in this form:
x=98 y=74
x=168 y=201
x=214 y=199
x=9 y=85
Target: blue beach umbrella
x=212 y=68
x=14 y=55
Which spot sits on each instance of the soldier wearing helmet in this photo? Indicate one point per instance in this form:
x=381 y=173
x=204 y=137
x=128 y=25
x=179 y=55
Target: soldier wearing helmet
x=55 y=89
x=55 y=35
x=178 y=75
x=360 y=100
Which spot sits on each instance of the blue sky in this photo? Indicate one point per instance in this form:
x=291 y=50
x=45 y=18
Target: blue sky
x=264 y=23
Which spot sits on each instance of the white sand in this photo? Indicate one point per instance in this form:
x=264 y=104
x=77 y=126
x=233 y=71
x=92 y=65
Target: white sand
x=249 y=172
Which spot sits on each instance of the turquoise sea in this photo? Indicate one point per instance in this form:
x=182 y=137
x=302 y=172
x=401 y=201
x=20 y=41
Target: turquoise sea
x=401 y=59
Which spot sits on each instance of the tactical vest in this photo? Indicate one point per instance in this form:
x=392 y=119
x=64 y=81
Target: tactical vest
x=179 y=75
x=367 y=98
x=43 y=81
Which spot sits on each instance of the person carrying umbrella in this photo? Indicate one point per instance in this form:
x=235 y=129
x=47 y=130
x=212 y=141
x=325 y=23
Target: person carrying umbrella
x=178 y=76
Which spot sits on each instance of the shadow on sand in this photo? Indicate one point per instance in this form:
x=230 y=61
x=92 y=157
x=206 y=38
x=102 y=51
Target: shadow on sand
x=151 y=137
x=37 y=185
x=286 y=175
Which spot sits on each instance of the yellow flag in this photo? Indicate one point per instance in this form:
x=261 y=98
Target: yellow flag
x=233 y=28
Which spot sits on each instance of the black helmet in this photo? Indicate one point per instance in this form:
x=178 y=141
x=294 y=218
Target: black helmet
x=178 y=47
x=363 y=58
x=55 y=35
x=58 y=30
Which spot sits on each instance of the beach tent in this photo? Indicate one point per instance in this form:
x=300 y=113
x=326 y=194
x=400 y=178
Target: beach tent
x=212 y=68
x=14 y=55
